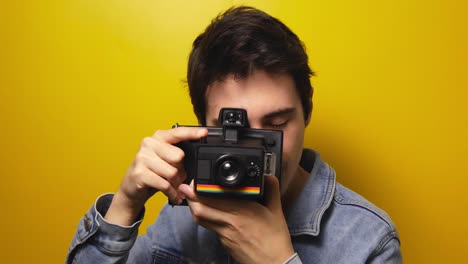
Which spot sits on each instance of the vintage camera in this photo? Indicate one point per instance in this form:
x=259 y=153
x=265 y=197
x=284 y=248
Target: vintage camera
x=233 y=159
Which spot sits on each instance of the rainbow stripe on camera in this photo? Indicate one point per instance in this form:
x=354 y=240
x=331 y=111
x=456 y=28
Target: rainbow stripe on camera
x=212 y=188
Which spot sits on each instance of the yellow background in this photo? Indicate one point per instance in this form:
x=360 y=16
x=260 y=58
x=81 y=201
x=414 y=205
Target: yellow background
x=82 y=82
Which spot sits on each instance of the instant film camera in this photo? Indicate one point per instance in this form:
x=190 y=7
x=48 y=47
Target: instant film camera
x=233 y=159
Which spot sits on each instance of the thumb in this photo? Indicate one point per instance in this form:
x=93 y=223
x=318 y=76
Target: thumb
x=273 y=194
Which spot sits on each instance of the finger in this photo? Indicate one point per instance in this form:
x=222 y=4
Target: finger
x=218 y=203
x=156 y=182
x=273 y=195
x=200 y=211
x=166 y=151
x=179 y=134
x=228 y=205
x=175 y=174
x=216 y=227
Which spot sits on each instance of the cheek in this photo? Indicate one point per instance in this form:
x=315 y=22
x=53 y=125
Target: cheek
x=293 y=139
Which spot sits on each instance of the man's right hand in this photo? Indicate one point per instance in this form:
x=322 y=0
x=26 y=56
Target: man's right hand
x=157 y=167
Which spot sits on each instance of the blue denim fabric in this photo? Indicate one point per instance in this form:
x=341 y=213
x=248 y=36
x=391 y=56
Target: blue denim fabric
x=328 y=224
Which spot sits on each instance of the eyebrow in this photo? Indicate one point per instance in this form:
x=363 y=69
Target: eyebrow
x=276 y=113
x=279 y=112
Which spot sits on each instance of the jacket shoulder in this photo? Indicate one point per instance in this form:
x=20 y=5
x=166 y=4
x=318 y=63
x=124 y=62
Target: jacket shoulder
x=362 y=207
x=366 y=221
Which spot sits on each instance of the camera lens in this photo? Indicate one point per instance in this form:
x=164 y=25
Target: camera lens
x=229 y=171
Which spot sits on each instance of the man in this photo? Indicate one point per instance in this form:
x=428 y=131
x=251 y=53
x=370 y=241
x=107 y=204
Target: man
x=244 y=59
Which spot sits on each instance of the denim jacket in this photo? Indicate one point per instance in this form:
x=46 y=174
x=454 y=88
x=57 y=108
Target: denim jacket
x=328 y=223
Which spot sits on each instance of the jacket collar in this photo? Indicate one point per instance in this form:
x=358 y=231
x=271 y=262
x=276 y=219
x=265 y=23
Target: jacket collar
x=306 y=213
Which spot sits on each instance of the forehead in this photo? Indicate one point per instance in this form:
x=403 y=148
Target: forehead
x=259 y=93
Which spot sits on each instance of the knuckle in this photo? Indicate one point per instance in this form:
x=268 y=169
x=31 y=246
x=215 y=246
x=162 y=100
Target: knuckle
x=157 y=134
x=234 y=226
x=138 y=172
x=146 y=142
x=232 y=229
x=165 y=186
x=139 y=158
x=140 y=162
x=172 y=172
x=179 y=155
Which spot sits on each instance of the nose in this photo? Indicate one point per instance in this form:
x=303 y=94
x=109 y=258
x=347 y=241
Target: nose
x=255 y=124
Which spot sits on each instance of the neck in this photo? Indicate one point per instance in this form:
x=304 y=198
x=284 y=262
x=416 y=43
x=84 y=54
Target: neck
x=294 y=189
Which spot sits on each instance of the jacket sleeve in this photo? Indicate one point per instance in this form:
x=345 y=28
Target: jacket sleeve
x=97 y=241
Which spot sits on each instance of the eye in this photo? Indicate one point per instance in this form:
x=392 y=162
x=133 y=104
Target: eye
x=278 y=125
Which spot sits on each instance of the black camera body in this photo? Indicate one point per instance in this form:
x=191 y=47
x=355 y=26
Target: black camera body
x=233 y=159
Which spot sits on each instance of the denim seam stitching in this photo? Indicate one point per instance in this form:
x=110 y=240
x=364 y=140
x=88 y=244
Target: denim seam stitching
x=107 y=251
x=384 y=241
x=172 y=255
x=339 y=199
x=330 y=187
x=330 y=191
x=97 y=226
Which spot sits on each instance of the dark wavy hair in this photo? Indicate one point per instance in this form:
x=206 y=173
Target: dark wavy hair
x=241 y=41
